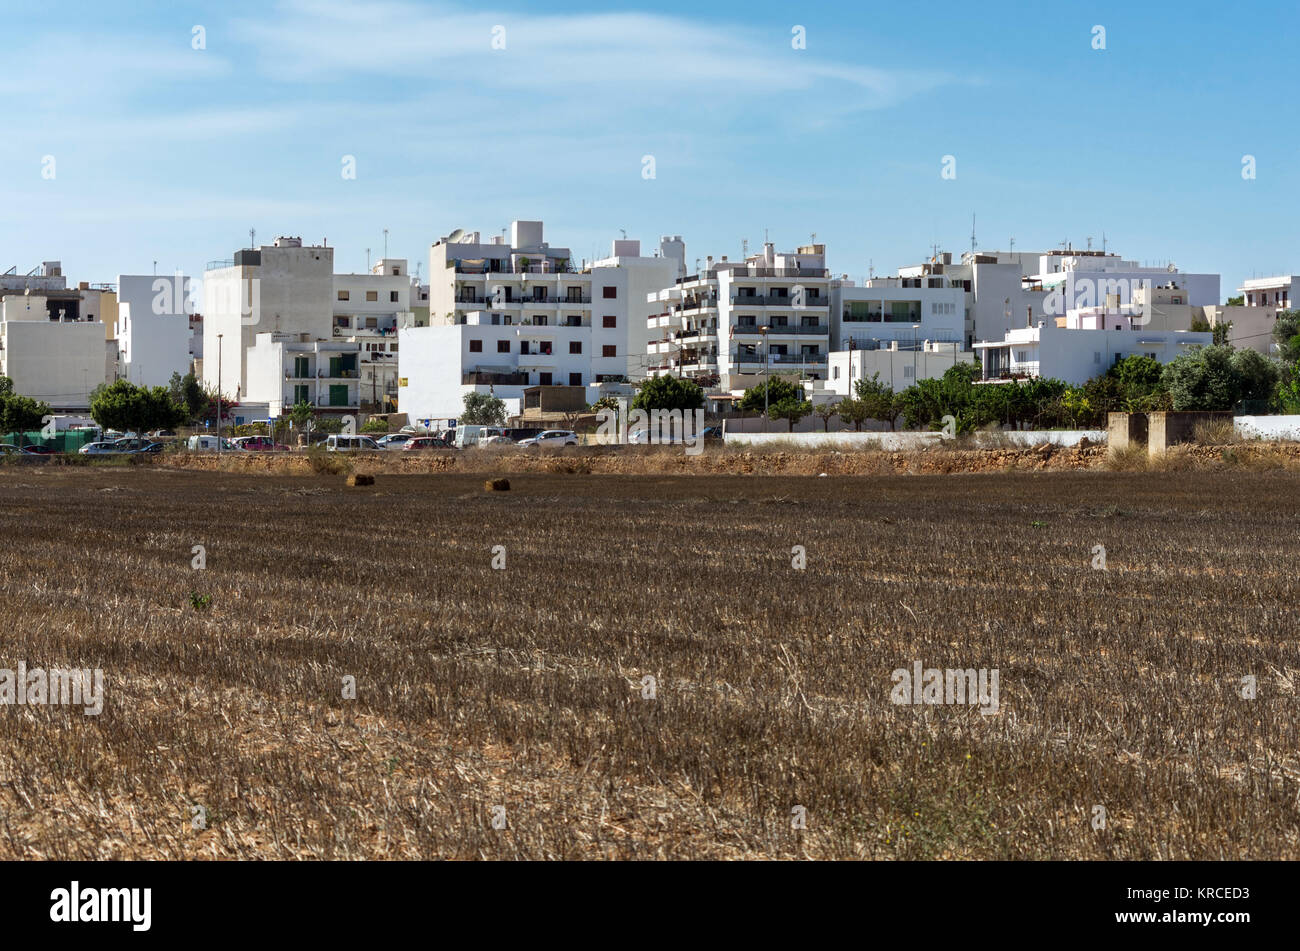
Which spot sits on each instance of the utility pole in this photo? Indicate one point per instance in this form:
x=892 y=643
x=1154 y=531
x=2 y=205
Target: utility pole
x=219 y=336
x=767 y=357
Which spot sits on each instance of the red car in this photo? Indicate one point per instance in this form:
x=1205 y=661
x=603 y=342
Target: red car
x=425 y=442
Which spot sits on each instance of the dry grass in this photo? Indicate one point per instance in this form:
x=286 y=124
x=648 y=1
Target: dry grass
x=522 y=687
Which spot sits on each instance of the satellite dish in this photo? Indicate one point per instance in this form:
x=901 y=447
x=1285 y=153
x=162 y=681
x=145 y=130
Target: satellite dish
x=455 y=236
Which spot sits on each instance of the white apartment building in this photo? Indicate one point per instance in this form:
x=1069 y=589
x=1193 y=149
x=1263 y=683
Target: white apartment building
x=52 y=359
x=889 y=310
x=153 y=327
x=505 y=315
x=1080 y=346
x=287 y=369
x=282 y=288
x=1272 y=292
x=737 y=322
x=897 y=367
x=368 y=309
x=645 y=275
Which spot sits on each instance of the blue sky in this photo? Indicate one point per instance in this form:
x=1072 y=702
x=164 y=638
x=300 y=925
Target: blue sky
x=163 y=152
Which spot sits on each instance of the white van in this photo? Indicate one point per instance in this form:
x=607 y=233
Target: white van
x=338 y=443
x=467 y=436
x=209 y=443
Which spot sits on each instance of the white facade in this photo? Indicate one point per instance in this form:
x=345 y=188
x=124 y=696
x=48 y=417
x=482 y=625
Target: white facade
x=59 y=362
x=891 y=309
x=1272 y=292
x=153 y=328
x=284 y=288
x=1077 y=355
x=898 y=368
x=368 y=309
x=737 y=322
x=526 y=282
x=486 y=355
x=645 y=275
x=284 y=369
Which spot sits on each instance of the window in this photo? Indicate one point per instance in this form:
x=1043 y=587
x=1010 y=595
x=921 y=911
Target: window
x=476 y=346
x=392 y=296
x=609 y=350
x=345 y=295
x=609 y=320
x=372 y=323
x=1096 y=356
x=909 y=372
x=544 y=379
x=372 y=295
x=835 y=373
x=575 y=346
x=503 y=346
x=610 y=293
x=575 y=379
x=397 y=272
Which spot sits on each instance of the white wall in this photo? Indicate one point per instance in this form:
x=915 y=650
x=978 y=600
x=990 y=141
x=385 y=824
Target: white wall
x=54 y=362
x=153 y=330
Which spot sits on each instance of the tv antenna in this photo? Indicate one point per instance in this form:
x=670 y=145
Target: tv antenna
x=972 y=232
x=252 y=239
x=385 y=242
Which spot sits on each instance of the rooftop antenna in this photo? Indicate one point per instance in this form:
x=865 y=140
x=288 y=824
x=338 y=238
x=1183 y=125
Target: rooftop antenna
x=252 y=239
x=1103 y=242
x=155 y=266
x=744 y=247
x=765 y=236
x=1089 y=242
x=623 y=232
x=814 y=238
x=871 y=270
x=385 y=242
x=934 y=248
x=972 y=232
x=367 y=260
x=1013 y=244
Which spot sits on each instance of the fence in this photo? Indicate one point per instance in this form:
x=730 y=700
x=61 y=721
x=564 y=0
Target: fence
x=68 y=440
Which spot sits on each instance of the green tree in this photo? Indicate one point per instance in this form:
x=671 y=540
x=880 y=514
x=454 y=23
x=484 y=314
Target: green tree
x=124 y=406
x=668 y=392
x=1217 y=378
x=789 y=409
x=1286 y=334
x=483 y=409
x=1236 y=301
x=776 y=388
x=301 y=415
x=853 y=412
x=19 y=413
x=826 y=410
x=878 y=399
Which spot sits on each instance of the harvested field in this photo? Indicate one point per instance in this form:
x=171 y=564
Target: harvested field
x=524 y=687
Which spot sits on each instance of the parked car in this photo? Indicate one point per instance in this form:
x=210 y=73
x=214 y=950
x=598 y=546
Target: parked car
x=393 y=440
x=101 y=448
x=339 y=443
x=9 y=449
x=131 y=443
x=496 y=440
x=150 y=448
x=427 y=442
x=39 y=451
x=551 y=437
x=158 y=435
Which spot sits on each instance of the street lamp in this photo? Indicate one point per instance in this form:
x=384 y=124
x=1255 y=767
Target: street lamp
x=767 y=354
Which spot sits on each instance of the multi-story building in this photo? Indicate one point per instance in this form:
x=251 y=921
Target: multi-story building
x=368 y=308
x=282 y=288
x=508 y=315
x=644 y=276
x=287 y=369
x=153 y=328
x=50 y=353
x=1082 y=345
x=737 y=322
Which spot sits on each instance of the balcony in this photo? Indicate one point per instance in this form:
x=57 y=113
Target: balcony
x=778 y=300
x=776 y=330
x=481 y=378
x=781 y=359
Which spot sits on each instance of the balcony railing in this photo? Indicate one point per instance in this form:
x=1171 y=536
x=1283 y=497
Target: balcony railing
x=817 y=330
x=778 y=300
x=480 y=378
x=781 y=358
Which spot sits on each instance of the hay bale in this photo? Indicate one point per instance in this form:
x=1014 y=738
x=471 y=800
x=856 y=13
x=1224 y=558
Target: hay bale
x=496 y=485
x=355 y=480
